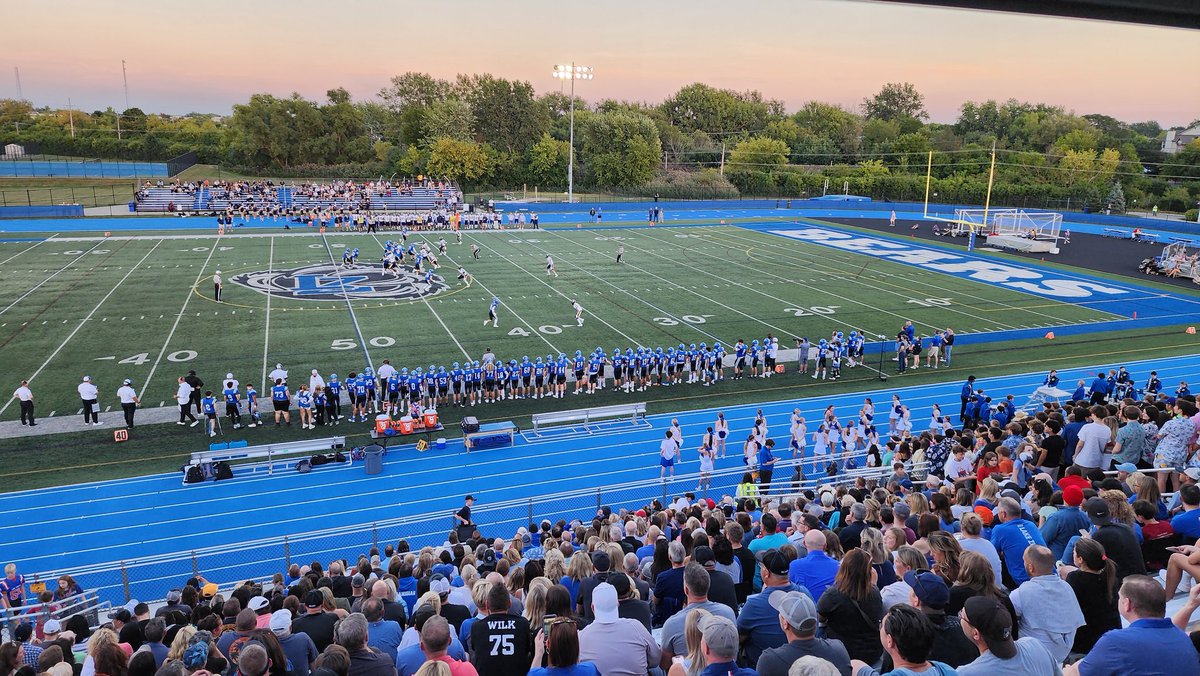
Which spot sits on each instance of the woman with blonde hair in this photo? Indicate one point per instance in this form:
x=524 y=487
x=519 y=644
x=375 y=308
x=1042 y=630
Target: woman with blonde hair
x=101 y=638
x=692 y=663
x=907 y=559
x=182 y=641
x=535 y=601
x=918 y=504
x=516 y=583
x=881 y=560
x=556 y=565
x=329 y=603
x=988 y=489
x=578 y=568
x=433 y=668
x=946 y=553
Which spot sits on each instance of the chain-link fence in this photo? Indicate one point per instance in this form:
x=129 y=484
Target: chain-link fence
x=150 y=577
x=85 y=196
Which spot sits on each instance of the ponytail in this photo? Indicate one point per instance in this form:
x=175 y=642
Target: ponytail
x=1093 y=556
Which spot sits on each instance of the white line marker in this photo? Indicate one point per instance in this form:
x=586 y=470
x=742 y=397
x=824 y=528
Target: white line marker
x=39 y=284
x=178 y=317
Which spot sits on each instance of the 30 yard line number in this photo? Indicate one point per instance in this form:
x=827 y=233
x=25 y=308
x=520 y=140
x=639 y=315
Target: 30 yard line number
x=687 y=319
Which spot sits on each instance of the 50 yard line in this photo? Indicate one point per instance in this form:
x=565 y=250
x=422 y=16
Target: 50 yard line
x=349 y=305
x=434 y=312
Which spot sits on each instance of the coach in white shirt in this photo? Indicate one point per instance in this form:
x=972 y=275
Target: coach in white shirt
x=278 y=374
x=184 y=396
x=230 y=379
x=129 y=401
x=25 y=395
x=88 y=394
x=386 y=370
x=315 y=380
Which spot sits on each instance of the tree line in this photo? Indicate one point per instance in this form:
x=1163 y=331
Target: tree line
x=490 y=132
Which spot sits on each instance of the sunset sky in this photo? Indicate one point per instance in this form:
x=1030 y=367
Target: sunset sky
x=210 y=55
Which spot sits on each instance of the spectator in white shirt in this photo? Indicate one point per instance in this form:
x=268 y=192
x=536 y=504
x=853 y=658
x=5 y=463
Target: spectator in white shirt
x=184 y=397
x=1093 y=438
x=25 y=395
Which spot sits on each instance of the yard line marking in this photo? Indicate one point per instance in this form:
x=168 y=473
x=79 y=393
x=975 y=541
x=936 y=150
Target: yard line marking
x=813 y=260
x=267 y=332
x=212 y=250
x=632 y=341
x=702 y=296
x=616 y=289
x=533 y=329
x=82 y=322
x=39 y=243
x=56 y=273
x=349 y=305
x=435 y=314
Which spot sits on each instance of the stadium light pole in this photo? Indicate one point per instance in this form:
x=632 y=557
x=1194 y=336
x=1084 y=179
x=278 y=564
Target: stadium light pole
x=572 y=72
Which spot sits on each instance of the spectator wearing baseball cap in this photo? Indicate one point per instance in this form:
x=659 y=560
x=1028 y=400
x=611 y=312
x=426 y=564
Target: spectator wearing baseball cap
x=988 y=625
x=695 y=589
x=1189 y=477
x=797 y=617
x=930 y=595
x=758 y=622
x=174 y=603
x=316 y=623
x=629 y=603
x=299 y=648
x=1065 y=523
x=1120 y=543
x=601 y=565
x=720 y=588
x=719 y=645
x=262 y=608
x=454 y=613
x=613 y=644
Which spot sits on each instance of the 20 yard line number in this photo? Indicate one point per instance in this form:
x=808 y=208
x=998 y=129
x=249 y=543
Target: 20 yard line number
x=812 y=311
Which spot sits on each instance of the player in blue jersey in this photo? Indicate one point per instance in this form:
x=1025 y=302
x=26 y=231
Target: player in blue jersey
x=492 y=313
x=233 y=407
x=579 y=364
x=560 y=375
x=755 y=354
x=430 y=387
x=361 y=397
x=475 y=382
x=209 y=406
x=347 y=258
x=457 y=379
x=252 y=406
x=539 y=379
x=320 y=405
x=680 y=363
x=394 y=385
x=526 y=377
x=281 y=401
x=836 y=351
x=443 y=387
x=514 y=379
x=368 y=378
x=822 y=369
x=594 y=366
x=304 y=402
x=334 y=388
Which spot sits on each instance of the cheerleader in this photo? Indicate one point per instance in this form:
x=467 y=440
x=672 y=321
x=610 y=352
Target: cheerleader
x=706 y=465
x=799 y=434
x=721 y=426
x=894 y=415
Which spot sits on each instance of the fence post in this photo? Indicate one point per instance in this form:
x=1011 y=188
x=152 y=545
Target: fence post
x=287 y=552
x=195 y=566
x=125 y=581
x=597 y=499
x=374 y=535
x=529 y=502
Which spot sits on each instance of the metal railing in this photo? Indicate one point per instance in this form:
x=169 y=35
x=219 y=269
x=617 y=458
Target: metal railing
x=87 y=603
x=117 y=582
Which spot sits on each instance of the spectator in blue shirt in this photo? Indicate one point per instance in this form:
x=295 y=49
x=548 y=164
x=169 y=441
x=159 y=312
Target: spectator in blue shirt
x=816 y=571
x=968 y=390
x=1065 y=523
x=1187 y=523
x=1099 y=389
x=382 y=634
x=1011 y=537
x=1151 y=644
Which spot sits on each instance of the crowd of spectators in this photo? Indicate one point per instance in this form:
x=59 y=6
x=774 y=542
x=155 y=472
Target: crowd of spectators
x=1005 y=556
x=262 y=198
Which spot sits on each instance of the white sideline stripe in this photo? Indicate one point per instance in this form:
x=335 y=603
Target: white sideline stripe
x=267 y=331
x=84 y=321
x=640 y=299
x=916 y=280
x=186 y=299
x=931 y=397
x=56 y=273
x=26 y=249
x=632 y=341
x=435 y=314
x=866 y=284
x=532 y=328
x=349 y=305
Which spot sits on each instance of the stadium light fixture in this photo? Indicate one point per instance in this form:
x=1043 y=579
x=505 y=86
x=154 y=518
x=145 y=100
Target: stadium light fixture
x=572 y=72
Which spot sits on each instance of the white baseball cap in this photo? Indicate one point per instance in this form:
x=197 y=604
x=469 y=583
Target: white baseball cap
x=87 y=379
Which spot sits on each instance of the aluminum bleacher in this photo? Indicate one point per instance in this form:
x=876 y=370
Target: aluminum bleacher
x=304 y=198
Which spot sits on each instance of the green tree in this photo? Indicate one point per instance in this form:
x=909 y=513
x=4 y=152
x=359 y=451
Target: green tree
x=463 y=161
x=451 y=118
x=621 y=149
x=1116 y=198
x=894 y=101
x=506 y=113
x=701 y=107
x=419 y=90
x=758 y=154
x=133 y=119
x=548 y=162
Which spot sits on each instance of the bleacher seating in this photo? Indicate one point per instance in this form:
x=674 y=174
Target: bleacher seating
x=305 y=197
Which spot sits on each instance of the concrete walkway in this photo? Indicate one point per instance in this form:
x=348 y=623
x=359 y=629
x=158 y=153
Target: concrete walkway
x=112 y=420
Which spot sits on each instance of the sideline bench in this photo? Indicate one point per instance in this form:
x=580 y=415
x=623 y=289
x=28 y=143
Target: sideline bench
x=427 y=431
x=271 y=452
x=491 y=434
x=560 y=421
x=1117 y=232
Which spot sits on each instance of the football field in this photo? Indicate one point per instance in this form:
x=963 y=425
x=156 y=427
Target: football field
x=143 y=307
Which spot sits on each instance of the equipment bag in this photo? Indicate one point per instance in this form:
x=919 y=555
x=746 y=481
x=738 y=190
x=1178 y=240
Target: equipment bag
x=194 y=475
x=304 y=466
x=470 y=424
x=222 y=471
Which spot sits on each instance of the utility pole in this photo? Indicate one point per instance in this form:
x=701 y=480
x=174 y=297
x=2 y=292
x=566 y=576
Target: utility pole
x=118 y=126
x=125 y=78
x=17 y=72
x=722 y=172
x=71 y=116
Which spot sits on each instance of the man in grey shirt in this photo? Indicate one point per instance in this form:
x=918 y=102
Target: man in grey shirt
x=695 y=588
x=989 y=626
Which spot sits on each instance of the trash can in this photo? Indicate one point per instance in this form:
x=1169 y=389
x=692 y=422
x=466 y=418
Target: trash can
x=373 y=459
